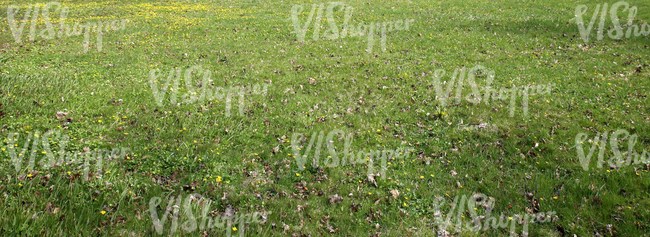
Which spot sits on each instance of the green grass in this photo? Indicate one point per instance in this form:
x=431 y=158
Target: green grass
x=386 y=99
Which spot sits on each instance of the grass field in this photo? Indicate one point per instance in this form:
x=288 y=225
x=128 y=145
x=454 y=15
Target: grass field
x=243 y=156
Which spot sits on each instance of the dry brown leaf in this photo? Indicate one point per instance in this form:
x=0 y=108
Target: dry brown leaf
x=60 y=115
x=303 y=207
x=371 y=179
x=395 y=193
x=335 y=199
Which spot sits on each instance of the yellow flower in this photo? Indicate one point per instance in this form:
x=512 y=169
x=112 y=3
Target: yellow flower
x=99 y=121
x=297 y=174
x=103 y=212
x=234 y=229
x=219 y=179
x=555 y=197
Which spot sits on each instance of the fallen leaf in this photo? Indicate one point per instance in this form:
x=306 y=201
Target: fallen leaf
x=335 y=199
x=371 y=179
x=60 y=115
x=395 y=193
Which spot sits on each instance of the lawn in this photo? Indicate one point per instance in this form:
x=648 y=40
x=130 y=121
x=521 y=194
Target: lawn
x=272 y=118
